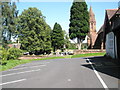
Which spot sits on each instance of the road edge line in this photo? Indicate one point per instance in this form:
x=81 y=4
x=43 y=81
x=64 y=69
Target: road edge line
x=98 y=76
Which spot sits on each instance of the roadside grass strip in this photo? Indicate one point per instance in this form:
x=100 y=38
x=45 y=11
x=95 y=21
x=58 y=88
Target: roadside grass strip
x=12 y=63
x=87 y=55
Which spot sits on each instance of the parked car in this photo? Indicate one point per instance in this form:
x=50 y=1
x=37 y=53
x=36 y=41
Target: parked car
x=70 y=53
x=26 y=53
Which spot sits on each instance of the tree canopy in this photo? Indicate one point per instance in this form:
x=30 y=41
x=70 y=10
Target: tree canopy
x=79 y=22
x=8 y=20
x=34 y=32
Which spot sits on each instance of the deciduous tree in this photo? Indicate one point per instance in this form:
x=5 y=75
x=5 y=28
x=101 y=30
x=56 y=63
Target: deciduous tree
x=34 y=32
x=8 y=20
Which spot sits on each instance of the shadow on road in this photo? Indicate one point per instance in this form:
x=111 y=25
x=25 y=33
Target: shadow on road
x=104 y=65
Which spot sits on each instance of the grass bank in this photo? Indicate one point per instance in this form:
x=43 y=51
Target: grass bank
x=12 y=63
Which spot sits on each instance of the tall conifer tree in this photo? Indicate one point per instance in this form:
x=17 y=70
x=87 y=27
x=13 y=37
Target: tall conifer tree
x=79 y=22
x=57 y=37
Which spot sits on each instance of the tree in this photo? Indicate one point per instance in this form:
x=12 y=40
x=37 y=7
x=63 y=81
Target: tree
x=34 y=32
x=0 y=25
x=66 y=40
x=57 y=37
x=8 y=21
x=79 y=22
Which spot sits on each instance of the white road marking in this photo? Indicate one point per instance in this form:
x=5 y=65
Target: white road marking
x=69 y=80
x=25 y=67
x=19 y=73
x=43 y=65
x=31 y=64
x=12 y=82
x=97 y=74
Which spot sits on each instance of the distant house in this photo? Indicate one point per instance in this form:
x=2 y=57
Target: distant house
x=112 y=33
x=15 y=45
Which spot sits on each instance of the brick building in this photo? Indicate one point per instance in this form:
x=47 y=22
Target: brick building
x=92 y=35
x=99 y=43
x=95 y=39
x=112 y=32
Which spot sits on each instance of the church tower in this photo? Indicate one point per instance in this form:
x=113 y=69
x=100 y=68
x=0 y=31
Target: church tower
x=92 y=35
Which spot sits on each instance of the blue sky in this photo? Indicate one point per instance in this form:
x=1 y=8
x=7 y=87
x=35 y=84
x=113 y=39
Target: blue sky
x=60 y=11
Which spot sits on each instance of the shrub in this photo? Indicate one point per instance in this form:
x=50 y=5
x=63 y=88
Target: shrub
x=5 y=54
x=0 y=52
x=14 y=53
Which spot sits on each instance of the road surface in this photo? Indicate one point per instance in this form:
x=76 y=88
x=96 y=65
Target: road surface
x=93 y=72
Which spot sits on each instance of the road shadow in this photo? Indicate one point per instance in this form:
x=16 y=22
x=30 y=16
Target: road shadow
x=104 y=65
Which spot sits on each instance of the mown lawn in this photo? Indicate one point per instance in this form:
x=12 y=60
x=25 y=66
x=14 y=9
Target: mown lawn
x=12 y=63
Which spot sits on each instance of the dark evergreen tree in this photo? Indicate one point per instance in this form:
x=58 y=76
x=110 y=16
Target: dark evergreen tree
x=79 y=22
x=34 y=32
x=57 y=37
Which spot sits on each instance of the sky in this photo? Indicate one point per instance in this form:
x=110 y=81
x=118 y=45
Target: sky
x=60 y=11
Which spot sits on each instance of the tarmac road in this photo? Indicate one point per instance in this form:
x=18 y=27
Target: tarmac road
x=93 y=72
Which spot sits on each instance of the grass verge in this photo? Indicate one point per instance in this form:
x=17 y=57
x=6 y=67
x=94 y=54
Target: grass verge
x=12 y=63
x=87 y=55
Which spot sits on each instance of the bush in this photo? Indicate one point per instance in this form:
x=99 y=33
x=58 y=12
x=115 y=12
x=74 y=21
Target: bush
x=5 y=54
x=14 y=53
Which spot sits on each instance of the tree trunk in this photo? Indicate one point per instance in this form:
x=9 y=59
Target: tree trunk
x=54 y=49
x=79 y=44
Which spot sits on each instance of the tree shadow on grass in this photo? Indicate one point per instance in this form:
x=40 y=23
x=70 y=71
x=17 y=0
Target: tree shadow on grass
x=104 y=65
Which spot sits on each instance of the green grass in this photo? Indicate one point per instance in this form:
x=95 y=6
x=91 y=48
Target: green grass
x=87 y=55
x=12 y=63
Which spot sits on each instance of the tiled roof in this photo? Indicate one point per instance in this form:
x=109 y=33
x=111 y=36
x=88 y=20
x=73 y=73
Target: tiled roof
x=118 y=11
x=92 y=15
x=101 y=29
x=111 y=12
